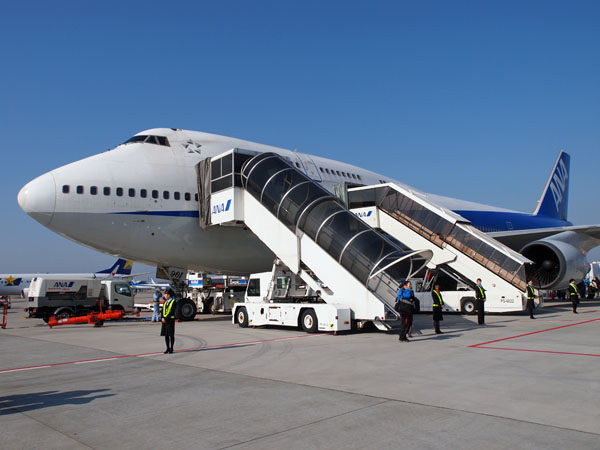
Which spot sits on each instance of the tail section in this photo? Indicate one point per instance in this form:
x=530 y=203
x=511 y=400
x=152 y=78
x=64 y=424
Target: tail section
x=554 y=201
x=120 y=267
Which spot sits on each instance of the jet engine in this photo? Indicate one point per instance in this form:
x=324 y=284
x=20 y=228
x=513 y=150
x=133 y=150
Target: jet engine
x=555 y=262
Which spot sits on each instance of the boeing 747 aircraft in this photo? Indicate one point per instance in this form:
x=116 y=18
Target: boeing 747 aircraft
x=139 y=201
x=18 y=283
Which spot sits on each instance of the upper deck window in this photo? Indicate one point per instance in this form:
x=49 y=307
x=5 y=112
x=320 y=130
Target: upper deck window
x=149 y=139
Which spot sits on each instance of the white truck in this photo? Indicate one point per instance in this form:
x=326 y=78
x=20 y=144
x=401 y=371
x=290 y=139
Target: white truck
x=281 y=298
x=76 y=296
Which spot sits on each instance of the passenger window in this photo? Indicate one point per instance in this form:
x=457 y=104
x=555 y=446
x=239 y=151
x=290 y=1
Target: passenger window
x=154 y=194
x=196 y=197
x=106 y=190
x=187 y=196
x=93 y=190
x=119 y=192
x=131 y=192
x=65 y=189
x=253 y=288
x=298 y=165
x=359 y=177
x=338 y=173
x=327 y=170
x=166 y=195
x=80 y=189
x=143 y=193
x=176 y=195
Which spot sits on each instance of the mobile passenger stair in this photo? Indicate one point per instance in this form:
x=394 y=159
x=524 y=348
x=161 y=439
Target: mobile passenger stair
x=458 y=247
x=355 y=267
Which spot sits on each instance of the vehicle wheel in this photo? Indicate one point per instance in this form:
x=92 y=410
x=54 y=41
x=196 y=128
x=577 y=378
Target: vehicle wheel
x=98 y=324
x=213 y=308
x=241 y=317
x=63 y=313
x=309 y=321
x=46 y=318
x=186 y=309
x=467 y=306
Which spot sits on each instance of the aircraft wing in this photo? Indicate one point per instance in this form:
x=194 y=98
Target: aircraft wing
x=587 y=236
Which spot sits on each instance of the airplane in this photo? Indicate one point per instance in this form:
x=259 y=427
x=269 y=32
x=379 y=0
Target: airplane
x=139 y=201
x=18 y=284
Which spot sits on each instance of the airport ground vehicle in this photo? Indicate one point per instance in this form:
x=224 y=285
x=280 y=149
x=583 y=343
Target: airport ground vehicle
x=76 y=296
x=280 y=297
x=216 y=294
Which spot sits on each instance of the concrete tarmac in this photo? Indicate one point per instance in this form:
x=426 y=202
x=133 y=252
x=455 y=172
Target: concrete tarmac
x=514 y=383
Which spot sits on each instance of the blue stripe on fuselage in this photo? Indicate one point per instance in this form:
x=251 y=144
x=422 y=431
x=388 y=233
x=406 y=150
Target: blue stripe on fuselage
x=161 y=213
x=495 y=221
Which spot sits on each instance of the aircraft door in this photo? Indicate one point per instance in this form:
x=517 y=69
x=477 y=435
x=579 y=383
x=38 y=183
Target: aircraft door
x=310 y=167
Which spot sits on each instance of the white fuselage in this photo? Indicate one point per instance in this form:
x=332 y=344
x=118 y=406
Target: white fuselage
x=164 y=231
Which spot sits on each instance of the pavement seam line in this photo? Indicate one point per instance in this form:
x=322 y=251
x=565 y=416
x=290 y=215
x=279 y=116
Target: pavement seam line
x=258 y=438
x=54 y=429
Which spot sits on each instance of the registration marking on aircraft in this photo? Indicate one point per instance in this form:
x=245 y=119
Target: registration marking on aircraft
x=140 y=355
x=485 y=345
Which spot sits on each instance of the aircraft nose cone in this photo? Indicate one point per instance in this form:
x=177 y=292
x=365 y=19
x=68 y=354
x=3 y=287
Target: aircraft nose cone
x=38 y=198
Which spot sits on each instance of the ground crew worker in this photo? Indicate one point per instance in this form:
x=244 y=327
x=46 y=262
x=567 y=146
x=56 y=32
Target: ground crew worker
x=530 y=298
x=410 y=296
x=403 y=308
x=480 y=302
x=156 y=306
x=438 y=303
x=573 y=294
x=168 y=320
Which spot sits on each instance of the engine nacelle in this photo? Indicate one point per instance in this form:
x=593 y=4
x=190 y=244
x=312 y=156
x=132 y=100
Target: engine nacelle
x=555 y=262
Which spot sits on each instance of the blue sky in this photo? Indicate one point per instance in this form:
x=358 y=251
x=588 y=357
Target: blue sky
x=468 y=99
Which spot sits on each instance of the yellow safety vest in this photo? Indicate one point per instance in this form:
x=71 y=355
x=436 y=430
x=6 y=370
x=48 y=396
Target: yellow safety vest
x=530 y=292
x=167 y=307
x=575 y=289
x=440 y=301
x=482 y=293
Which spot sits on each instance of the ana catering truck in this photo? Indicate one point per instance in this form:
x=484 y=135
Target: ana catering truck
x=69 y=297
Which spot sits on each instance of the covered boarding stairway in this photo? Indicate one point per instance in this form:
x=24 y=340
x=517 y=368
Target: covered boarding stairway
x=418 y=223
x=351 y=264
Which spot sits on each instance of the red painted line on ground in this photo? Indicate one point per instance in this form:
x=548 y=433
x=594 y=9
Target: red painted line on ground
x=108 y=358
x=536 y=351
x=533 y=332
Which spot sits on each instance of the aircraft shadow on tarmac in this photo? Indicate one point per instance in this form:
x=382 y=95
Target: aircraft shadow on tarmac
x=13 y=404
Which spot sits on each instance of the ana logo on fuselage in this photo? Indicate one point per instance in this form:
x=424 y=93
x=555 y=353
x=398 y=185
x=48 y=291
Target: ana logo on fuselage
x=222 y=207
x=558 y=185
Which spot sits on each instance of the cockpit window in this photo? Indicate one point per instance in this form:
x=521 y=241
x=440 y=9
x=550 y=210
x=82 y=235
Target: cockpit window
x=151 y=139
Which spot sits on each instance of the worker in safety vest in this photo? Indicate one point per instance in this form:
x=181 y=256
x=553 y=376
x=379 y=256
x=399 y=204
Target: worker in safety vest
x=438 y=304
x=530 y=298
x=480 y=302
x=573 y=294
x=168 y=320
